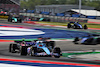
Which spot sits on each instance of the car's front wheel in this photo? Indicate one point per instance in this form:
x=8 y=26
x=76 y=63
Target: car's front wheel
x=85 y=27
x=58 y=51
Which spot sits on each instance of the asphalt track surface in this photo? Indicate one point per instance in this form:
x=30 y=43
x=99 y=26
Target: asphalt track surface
x=4 y=50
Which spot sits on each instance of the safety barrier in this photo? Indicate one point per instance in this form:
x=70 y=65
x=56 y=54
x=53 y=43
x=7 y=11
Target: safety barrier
x=56 y=18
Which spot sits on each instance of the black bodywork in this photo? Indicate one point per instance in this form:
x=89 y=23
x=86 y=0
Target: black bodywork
x=76 y=25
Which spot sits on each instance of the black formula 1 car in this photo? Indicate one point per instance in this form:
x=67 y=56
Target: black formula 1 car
x=36 y=48
x=19 y=46
x=14 y=19
x=76 y=25
x=87 y=40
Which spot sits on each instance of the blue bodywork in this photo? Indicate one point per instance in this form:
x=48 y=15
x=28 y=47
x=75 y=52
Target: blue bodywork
x=15 y=19
x=38 y=44
x=75 y=25
x=78 y=25
x=37 y=48
x=90 y=40
x=43 y=46
x=84 y=39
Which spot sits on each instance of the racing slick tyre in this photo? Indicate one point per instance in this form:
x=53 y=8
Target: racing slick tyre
x=10 y=19
x=69 y=25
x=20 y=20
x=76 y=40
x=23 y=50
x=46 y=19
x=98 y=40
x=12 y=48
x=90 y=41
x=85 y=27
x=74 y=27
x=57 y=50
x=33 y=51
x=51 y=44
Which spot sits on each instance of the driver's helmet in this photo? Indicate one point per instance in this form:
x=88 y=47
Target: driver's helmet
x=39 y=43
x=23 y=41
x=78 y=22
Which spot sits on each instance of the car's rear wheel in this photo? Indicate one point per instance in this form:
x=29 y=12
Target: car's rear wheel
x=98 y=40
x=51 y=44
x=9 y=20
x=33 y=51
x=85 y=27
x=23 y=50
x=20 y=20
x=12 y=47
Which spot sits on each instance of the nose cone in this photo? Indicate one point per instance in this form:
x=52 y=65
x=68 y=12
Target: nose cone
x=46 y=50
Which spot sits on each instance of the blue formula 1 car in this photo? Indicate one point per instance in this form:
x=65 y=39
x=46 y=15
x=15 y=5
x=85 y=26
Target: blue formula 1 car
x=35 y=48
x=14 y=19
x=76 y=25
x=44 y=49
x=87 y=40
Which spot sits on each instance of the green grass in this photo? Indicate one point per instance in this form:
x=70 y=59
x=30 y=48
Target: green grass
x=78 y=53
x=54 y=23
x=90 y=25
